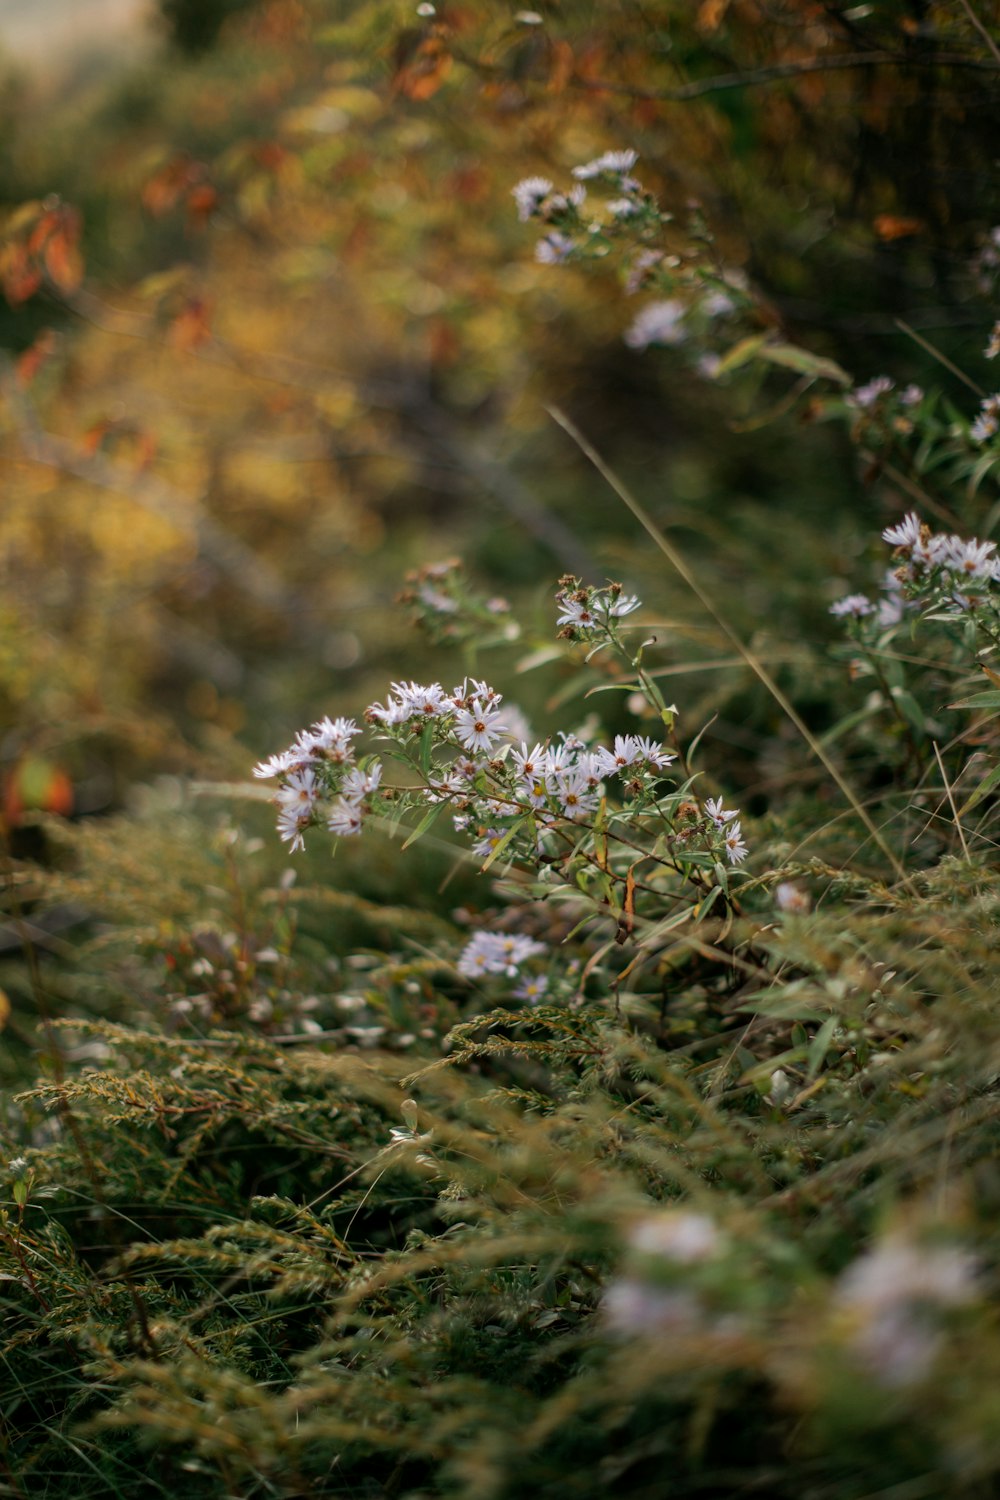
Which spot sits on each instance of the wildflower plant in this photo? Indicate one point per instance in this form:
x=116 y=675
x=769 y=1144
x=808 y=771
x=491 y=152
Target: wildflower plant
x=618 y=822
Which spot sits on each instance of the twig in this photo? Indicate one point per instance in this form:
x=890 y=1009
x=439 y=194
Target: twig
x=977 y=23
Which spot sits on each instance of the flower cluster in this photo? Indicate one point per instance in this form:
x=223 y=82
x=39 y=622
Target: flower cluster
x=564 y=806
x=892 y=1299
x=319 y=781
x=586 y=613
x=948 y=573
x=448 y=609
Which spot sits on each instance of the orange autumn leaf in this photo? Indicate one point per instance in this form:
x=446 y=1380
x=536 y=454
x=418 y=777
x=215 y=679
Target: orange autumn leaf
x=201 y=202
x=888 y=227
x=165 y=188
x=29 y=363
x=190 y=328
x=711 y=14
x=422 y=64
x=62 y=260
x=20 y=277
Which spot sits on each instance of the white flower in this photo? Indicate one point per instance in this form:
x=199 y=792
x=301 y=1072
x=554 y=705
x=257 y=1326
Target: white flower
x=291 y=822
x=554 y=249
x=654 y=754
x=422 y=702
x=972 y=558
x=489 y=841
x=532 y=988
x=496 y=953
x=911 y=395
x=988 y=421
x=575 y=794
x=299 y=791
x=435 y=600
x=908 y=534
x=856 y=605
x=719 y=815
x=358 y=784
x=529 y=194
x=793 y=899
x=623 y=605
x=891 y=608
x=894 y=1294
x=865 y=396
x=611 y=162
x=624 y=208
x=736 y=849
x=344 y=819
x=478 y=727
x=471 y=687
x=686 y=1238
x=993 y=347
x=626 y=753
x=277 y=765
x=578 y=614
x=717 y=304
x=657 y=323
x=394 y=712
x=530 y=763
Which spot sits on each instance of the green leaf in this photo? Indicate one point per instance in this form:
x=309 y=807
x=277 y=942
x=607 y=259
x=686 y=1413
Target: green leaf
x=990 y=699
x=501 y=844
x=425 y=823
x=819 y=1044
x=791 y=357
x=982 y=790
x=741 y=353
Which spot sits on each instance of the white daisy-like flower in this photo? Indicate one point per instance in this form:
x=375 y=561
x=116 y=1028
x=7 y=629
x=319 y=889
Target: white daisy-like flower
x=575 y=794
x=529 y=195
x=489 y=841
x=554 y=249
x=612 y=162
x=736 y=849
x=478 y=727
x=358 y=784
x=329 y=733
x=277 y=765
x=987 y=422
x=291 y=823
x=718 y=814
x=623 y=605
x=866 y=396
x=496 y=953
x=533 y=762
x=472 y=687
x=971 y=558
x=533 y=987
x=654 y=754
x=908 y=534
x=576 y=613
x=624 y=208
x=299 y=791
x=658 y=323
x=394 y=712
x=423 y=702
x=434 y=599
x=344 y=819
x=993 y=347
x=854 y=605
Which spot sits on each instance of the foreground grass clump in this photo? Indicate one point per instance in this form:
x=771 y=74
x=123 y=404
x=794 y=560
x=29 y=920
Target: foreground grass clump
x=657 y=1168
